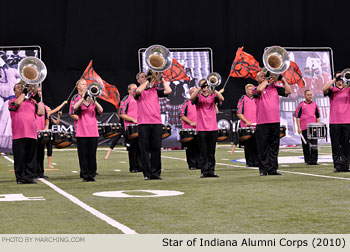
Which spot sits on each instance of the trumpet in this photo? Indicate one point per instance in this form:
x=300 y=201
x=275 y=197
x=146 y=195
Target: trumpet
x=345 y=74
x=94 y=89
x=213 y=80
x=276 y=60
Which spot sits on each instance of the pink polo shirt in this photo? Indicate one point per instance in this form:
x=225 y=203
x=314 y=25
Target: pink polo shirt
x=308 y=113
x=189 y=110
x=339 y=105
x=73 y=101
x=206 y=113
x=268 y=104
x=128 y=106
x=23 y=119
x=247 y=107
x=40 y=120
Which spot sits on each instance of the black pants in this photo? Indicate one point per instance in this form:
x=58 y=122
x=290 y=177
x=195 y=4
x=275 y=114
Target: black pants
x=340 y=136
x=115 y=141
x=207 y=148
x=250 y=152
x=24 y=155
x=268 y=143
x=40 y=154
x=132 y=145
x=310 y=154
x=192 y=153
x=49 y=148
x=87 y=147
x=150 y=142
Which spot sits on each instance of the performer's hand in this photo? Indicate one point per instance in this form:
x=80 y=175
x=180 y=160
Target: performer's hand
x=64 y=102
x=205 y=84
x=86 y=95
x=134 y=120
x=338 y=78
x=193 y=124
x=280 y=77
x=249 y=123
x=267 y=75
x=59 y=113
x=233 y=149
x=36 y=97
x=299 y=131
x=25 y=91
x=221 y=90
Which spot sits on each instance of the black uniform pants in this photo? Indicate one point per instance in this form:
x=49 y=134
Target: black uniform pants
x=24 y=155
x=310 y=154
x=207 y=148
x=250 y=152
x=87 y=147
x=133 y=147
x=340 y=136
x=150 y=142
x=40 y=154
x=192 y=153
x=268 y=143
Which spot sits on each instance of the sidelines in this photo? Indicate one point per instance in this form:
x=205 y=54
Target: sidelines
x=93 y=211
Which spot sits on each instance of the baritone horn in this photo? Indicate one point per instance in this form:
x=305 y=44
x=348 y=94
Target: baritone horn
x=94 y=89
x=346 y=76
x=158 y=58
x=213 y=80
x=276 y=59
x=32 y=70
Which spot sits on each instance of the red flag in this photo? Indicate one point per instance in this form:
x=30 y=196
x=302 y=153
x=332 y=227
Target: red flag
x=109 y=92
x=293 y=75
x=244 y=65
x=175 y=72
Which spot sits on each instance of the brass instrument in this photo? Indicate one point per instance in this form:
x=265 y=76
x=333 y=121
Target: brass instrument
x=94 y=89
x=158 y=58
x=276 y=60
x=213 y=80
x=345 y=74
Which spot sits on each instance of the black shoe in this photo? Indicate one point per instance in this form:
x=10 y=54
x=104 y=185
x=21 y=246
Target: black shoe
x=147 y=178
x=85 y=180
x=30 y=182
x=275 y=173
x=213 y=175
x=43 y=176
x=312 y=164
x=20 y=183
x=263 y=173
x=96 y=173
x=192 y=168
x=134 y=171
x=336 y=170
x=203 y=176
x=157 y=177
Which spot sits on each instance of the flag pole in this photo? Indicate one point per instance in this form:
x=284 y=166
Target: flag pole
x=228 y=77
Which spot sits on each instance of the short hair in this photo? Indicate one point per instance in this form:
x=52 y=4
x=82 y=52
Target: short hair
x=337 y=72
x=306 y=90
x=78 y=81
x=131 y=85
x=205 y=80
x=248 y=86
x=14 y=87
x=138 y=75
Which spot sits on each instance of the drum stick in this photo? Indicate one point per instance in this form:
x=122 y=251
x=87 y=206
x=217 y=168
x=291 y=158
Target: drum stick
x=302 y=137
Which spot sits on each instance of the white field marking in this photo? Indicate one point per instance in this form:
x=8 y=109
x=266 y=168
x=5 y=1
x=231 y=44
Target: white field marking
x=74 y=171
x=9 y=159
x=122 y=162
x=284 y=171
x=123 y=194
x=116 y=170
x=93 y=211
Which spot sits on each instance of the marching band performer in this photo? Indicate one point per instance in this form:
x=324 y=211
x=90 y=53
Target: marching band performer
x=86 y=134
x=268 y=121
x=206 y=126
x=24 y=133
x=339 y=121
x=246 y=112
x=150 y=125
x=308 y=112
x=188 y=116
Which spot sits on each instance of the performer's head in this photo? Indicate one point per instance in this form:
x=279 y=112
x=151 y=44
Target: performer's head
x=260 y=77
x=308 y=95
x=204 y=86
x=339 y=82
x=249 y=89
x=81 y=86
x=131 y=88
x=141 y=77
x=192 y=89
x=18 y=89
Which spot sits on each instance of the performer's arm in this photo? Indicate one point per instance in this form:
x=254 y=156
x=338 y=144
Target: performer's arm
x=261 y=87
x=19 y=100
x=194 y=94
x=287 y=88
x=219 y=96
x=298 y=124
x=127 y=118
x=51 y=112
x=98 y=107
x=185 y=119
x=142 y=87
x=245 y=120
x=41 y=109
x=167 y=88
x=326 y=87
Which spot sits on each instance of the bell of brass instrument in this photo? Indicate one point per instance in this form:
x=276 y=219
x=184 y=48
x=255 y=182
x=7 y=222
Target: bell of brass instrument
x=346 y=76
x=276 y=59
x=94 y=89
x=158 y=58
x=32 y=70
x=213 y=80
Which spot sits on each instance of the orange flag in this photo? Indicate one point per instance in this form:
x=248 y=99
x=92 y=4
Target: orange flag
x=109 y=92
x=175 y=72
x=244 y=65
x=293 y=75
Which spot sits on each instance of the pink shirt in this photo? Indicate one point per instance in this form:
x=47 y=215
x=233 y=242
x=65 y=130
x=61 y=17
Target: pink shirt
x=206 y=113
x=128 y=106
x=247 y=107
x=148 y=107
x=73 y=101
x=87 y=122
x=189 y=110
x=268 y=104
x=339 y=105
x=40 y=120
x=308 y=113
x=23 y=119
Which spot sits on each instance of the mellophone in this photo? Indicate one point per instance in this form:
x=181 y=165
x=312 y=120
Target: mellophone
x=132 y=131
x=246 y=133
x=58 y=138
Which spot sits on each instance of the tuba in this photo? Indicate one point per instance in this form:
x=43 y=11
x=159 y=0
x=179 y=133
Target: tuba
x=276 y=59
x=94 y=89
x=346 y=76
x=158 y=58
x=32 y=70
x=213 y=80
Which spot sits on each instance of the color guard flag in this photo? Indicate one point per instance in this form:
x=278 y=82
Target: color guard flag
x=244 y=65
x=175 y=72
x=109 y=92
x=293 y=75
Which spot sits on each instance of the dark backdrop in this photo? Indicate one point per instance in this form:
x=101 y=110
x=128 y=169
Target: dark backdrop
x=111 y=32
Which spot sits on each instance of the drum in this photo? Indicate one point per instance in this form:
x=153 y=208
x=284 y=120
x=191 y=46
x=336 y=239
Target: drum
x=132 y=131
x=245 y=133
x=166 y=131
x=57 y=137
x=222 y=135
x=109 y=130
x=316 y=130
x=282 y=131
x=66 y=140
x=44 y=136
x=187 y=135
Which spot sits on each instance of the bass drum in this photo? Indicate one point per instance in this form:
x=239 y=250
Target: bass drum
x=166 y=131
x=187 y=135
x=222 y=135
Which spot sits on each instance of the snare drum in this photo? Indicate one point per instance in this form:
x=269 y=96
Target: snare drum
x=187 y=135
x=222 y=135
x=66 y=140
x=109 y=130
x=316 y=130
x=44 y=136
x=166 y=131
x=282 y=131
x=132 y=131
x=245 y=133
x=57 y=137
